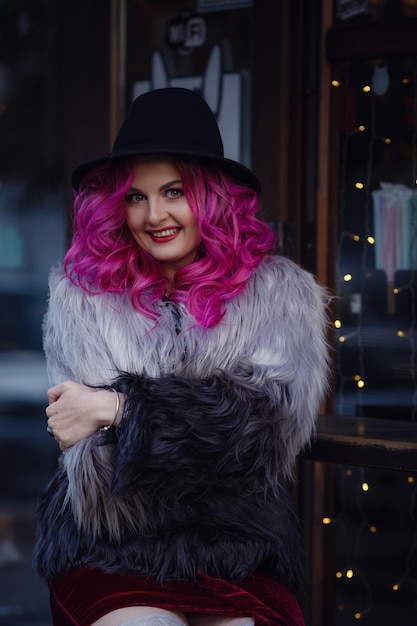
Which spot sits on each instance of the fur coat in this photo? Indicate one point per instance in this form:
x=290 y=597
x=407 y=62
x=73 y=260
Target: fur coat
x=193 y=479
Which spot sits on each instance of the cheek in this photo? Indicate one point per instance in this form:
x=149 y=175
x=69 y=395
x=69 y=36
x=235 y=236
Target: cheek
x=193 y=226
x=133 y=221
x=197 y=236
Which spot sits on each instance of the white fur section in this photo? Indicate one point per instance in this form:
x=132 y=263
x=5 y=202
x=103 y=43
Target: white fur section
x=273 y=336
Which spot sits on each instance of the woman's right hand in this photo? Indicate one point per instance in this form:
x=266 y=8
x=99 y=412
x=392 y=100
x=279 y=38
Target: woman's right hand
x=76 y=411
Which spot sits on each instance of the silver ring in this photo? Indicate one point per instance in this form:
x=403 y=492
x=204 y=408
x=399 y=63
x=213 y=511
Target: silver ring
x=50 y=431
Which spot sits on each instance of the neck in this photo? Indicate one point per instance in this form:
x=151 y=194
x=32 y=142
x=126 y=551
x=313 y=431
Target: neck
x=170 y=276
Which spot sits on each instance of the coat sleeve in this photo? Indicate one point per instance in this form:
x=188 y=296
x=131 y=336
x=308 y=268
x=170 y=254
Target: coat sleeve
x=250 y=420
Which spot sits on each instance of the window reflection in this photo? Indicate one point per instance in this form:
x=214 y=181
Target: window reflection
x=32 y=239
x=374 y=528
x=377 y=252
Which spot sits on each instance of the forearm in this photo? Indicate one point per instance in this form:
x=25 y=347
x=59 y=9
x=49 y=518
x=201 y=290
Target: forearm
x=211 y=428
x=76 y=411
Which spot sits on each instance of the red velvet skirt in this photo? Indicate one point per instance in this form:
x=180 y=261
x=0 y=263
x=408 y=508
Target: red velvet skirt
x=82 y=596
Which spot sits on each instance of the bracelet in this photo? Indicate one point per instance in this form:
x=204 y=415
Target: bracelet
x=104 y=428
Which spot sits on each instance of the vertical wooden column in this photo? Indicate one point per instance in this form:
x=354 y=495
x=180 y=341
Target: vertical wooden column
x=322 y=598
x=117 y=87
x=84 y=29
x=276 y=114
x=326 y=194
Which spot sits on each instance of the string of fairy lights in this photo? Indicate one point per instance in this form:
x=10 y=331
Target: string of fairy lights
x=367 y=241
x=356 y=523
x=354 y=593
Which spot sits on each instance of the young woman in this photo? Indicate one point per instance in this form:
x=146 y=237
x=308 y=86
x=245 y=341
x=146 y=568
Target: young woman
x=187 y=366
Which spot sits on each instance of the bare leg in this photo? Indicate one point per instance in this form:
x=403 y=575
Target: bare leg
x=201 y=619
x=142 y=616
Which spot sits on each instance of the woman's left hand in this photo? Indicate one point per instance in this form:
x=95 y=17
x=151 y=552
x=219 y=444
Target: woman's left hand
x=76 y=411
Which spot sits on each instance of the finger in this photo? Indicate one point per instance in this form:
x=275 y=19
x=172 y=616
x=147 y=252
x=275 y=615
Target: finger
x=54 y=393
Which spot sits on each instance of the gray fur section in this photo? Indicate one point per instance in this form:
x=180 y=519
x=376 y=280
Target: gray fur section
x=89 y=471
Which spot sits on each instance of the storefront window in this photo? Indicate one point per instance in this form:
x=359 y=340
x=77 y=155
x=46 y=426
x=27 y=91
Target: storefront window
x=203 y=46
x=374 y=523
x=377 y=241
x=32 y=239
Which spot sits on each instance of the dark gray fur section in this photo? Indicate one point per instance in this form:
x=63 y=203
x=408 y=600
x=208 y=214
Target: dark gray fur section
x=203 y=456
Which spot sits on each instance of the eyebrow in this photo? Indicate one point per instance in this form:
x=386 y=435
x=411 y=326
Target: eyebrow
x=162 y=188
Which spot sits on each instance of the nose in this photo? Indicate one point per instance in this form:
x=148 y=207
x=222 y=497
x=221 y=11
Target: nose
x=157 y=212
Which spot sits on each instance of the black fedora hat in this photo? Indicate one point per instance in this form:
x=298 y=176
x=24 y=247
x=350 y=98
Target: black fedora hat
x=171 y=121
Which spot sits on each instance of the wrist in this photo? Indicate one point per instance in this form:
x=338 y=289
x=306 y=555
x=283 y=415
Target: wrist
x=115 y=416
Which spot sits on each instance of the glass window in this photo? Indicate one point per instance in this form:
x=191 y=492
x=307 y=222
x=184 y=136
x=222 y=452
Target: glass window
x=374 y=524
x=209 y=51
x=374 y=539
x=32 y=239
x=377 y=244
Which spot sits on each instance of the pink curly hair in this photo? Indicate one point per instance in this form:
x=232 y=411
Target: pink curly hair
x=104 y=257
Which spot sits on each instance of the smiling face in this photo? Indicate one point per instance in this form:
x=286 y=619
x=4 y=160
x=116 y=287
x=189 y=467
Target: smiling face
x=159 y=216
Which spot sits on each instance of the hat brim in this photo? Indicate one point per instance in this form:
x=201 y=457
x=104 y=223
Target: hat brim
x=233 y=169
